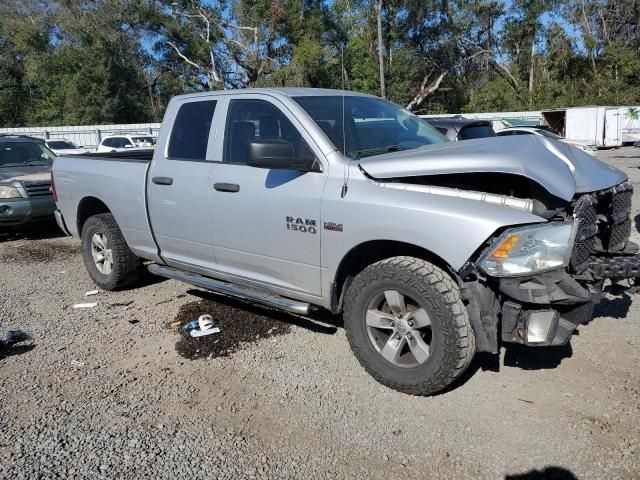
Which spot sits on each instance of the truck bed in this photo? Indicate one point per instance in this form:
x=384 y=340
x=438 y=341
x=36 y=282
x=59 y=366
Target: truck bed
x=116 y=180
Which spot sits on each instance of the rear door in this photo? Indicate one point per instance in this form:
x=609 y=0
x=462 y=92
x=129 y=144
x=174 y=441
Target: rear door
x=266 y=221
x=179 y=185
x=612 y=131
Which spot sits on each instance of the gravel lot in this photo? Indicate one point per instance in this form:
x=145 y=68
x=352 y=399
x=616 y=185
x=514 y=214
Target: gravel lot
x=113 y=392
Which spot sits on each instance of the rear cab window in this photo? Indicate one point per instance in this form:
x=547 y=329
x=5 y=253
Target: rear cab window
x=190 y=133
x=476 y=131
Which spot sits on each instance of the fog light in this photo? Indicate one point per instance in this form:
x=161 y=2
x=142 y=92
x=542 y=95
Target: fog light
x=541 y=326
x=5 y=210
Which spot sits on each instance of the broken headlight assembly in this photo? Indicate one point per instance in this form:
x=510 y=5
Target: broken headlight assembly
x=527 y=250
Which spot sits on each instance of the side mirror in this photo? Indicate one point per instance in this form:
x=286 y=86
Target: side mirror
x=271 y=154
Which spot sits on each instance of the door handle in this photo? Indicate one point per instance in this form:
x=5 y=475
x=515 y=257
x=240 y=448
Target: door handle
x=227 y=187
x=162 y=180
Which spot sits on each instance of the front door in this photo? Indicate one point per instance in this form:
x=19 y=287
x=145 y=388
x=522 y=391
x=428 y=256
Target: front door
x=179 y=192
x=266 y=221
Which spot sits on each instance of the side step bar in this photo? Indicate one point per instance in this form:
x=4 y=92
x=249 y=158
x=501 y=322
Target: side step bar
x=230 y=289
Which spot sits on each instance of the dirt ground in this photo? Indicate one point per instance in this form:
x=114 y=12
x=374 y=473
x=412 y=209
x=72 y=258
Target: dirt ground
x=114 y=392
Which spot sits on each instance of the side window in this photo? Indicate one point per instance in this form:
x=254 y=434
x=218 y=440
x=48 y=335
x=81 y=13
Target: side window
x=126 y=142
x=117 y=142
x=442 y=130
x=106 y=142
x=190 y=132
x=521 y=132
x=258 y=119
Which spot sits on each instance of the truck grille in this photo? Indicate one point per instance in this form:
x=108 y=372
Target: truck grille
x=38 y=190
x=618 y=227
x=586 y=234
x=604 y=224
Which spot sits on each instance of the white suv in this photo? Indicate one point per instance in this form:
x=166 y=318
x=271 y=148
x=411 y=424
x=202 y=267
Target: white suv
x=120 y=143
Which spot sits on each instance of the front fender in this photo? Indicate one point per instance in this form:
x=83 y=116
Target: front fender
x=451 y=228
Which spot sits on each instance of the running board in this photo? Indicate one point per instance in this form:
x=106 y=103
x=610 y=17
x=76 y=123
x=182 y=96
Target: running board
x=230 y=289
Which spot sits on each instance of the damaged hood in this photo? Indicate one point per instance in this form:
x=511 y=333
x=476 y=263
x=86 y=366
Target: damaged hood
x=558 y=167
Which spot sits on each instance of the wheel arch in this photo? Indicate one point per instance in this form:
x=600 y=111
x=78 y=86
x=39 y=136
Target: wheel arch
x=370 y=252
x=87 y=208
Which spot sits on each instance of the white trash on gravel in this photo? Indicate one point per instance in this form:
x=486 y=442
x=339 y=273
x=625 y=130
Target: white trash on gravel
x=91 y=292
x=85 y=305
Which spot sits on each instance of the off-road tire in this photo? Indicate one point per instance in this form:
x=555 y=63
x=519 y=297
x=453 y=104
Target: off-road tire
x=126 y=269
x=452 y=344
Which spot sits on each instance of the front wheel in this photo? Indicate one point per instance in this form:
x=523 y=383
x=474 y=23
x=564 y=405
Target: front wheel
x=407 y=325
x=107 y=257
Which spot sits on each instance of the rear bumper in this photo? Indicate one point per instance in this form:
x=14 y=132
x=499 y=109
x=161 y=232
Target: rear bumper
x=60 y=221
x=15 y=212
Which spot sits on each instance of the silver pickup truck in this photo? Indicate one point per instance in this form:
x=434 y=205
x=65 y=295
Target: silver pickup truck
x=306 y=198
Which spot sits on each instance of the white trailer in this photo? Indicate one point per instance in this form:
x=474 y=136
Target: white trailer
x=630 y=118
x=599 y=126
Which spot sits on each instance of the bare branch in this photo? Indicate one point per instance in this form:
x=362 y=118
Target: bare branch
x=425 y=91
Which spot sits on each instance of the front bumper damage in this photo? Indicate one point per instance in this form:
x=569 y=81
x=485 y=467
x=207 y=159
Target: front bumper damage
x=544 y=309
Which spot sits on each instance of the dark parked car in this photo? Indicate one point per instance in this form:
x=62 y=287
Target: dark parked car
x=25 y=179
x=458 y=128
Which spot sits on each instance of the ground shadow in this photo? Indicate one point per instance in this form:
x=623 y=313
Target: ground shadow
x=535 y=358
x=15 y=350
x=147 y=278
x=240 y=324
x=549 y=473
x=320 y=321
x=636 y=221
x=42 y=230
x=617 y=307
x=483 y=361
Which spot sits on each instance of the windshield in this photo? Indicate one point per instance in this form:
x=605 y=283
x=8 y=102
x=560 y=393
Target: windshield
x=18 y=154
x=371 y=126
x=144 y=140
x=61 y=145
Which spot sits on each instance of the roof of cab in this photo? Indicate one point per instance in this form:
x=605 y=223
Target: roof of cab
x=19 y=139
x=289 y=92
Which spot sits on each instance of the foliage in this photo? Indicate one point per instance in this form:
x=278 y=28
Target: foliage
x=104 y=61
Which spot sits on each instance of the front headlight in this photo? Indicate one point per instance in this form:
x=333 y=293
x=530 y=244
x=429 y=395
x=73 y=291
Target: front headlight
x=9 y=192
x=527 y=250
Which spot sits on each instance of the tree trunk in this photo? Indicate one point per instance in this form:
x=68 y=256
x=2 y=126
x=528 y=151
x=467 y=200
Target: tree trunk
x=380 y=51
x=533 y=58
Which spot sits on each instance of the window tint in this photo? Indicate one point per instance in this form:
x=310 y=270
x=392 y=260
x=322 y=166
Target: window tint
x=14 y=154
x=258 y=119
x=60 y=144
x=190 y=133
x=476 y=131
x=106 y=142
x=442 y=130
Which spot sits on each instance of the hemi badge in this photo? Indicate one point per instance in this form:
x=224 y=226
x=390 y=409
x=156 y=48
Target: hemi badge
x=334 y=227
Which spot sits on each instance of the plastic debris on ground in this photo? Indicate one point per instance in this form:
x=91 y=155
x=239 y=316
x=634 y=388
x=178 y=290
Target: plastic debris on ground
x=85 y=305
x=91 y=292
x=201 y=327
x=14 y=336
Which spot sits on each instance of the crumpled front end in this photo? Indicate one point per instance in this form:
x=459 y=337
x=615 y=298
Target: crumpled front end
x=544 y=309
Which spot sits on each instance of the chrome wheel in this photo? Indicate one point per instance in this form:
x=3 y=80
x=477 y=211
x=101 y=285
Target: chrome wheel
x=399 y=328
x=101 y=253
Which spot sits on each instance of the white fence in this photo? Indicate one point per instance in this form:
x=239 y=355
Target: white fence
x=87 y=136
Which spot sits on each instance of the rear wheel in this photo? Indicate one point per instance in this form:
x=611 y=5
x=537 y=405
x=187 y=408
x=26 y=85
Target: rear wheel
x=407 y=325
x=107 y=257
